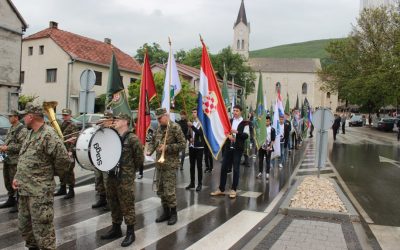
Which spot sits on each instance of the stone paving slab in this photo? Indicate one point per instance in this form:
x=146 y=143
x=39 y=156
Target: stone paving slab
x=295 y=232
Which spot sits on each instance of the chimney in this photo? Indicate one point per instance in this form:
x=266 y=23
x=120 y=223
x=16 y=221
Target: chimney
x=53 y=25
x=107 y=40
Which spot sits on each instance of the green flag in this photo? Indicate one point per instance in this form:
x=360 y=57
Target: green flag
x=259 y=116
x=116 y=98
x=287 y=106
x=225 y=94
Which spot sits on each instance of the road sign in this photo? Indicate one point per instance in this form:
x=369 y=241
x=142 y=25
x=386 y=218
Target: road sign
x=86 y=101
x=88 y=79
x=323 y=121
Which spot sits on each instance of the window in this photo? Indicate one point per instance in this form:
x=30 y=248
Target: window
x=51 y=75
x=328 y=95
x=238 y=44
x=278 y=87
x=98 y=78
x=22 y=77
x=30 y=51
x=304 y=88
x=242 y=44
x=41 y=49
x=133 y=80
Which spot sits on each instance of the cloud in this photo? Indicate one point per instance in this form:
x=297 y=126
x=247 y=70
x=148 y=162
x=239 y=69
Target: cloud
x=131 y=23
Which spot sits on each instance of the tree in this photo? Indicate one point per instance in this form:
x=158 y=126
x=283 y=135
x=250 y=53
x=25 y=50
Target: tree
x=365 y=68
x=24 y=99
x=186 y=99
x=156 y=54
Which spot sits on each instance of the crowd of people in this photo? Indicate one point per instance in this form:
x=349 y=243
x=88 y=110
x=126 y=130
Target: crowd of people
x=36 y=154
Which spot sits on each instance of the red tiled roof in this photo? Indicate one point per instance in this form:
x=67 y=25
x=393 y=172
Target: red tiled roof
x=86 y=49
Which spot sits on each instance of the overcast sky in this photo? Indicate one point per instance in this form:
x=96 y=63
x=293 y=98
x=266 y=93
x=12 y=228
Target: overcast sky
x=131 y=23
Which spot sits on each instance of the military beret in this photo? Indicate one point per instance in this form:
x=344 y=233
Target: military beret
x=31 y=108
x=160 y=112
x=66 y=112
x=13 y=112
x=123 y=116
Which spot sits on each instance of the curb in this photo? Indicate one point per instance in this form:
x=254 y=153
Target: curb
x=351 y=214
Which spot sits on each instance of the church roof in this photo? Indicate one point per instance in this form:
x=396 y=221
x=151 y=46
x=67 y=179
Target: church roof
x=287 y=65
x=86 y=49
x=241 y=16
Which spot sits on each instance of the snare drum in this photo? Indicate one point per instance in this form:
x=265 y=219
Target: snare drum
x=99 y=148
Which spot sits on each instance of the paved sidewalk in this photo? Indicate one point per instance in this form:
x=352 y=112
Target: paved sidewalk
x=308 y=229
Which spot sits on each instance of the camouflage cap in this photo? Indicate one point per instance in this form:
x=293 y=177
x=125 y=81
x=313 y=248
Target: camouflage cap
x=66 y=112
x=31 y=108
x=160 y=112
x=13 y=112
x=108 y=114
x=123 y=116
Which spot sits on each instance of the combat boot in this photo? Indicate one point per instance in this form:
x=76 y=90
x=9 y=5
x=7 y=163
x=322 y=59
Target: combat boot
x=114 y=233
x=130 y=236
x=9 y=203
x=71 y=193
x=174 y=216
x=61 y=191
x=101 y=202
x=165 y=216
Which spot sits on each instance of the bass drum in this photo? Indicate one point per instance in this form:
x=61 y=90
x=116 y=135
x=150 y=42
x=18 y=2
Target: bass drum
x=99 y=148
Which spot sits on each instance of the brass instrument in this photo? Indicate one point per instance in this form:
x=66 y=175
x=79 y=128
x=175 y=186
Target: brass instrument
x=162 y=159
x=48 y=108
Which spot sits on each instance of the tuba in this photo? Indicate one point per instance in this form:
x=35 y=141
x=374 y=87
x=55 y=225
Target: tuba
x=48 y=108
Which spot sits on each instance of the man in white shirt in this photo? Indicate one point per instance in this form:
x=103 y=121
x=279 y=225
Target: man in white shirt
x=266 y=149
x=234 y=148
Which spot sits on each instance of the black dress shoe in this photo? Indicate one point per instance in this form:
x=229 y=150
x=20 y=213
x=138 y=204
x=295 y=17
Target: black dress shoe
x=9 y=203
x=189 y=186
x=198 y=189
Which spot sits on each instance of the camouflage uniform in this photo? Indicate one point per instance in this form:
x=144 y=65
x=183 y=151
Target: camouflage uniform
x=68 y=127
x=166 y=172
x=100 y=177
x=41 y=156
x=15 y=136
x=121 y=187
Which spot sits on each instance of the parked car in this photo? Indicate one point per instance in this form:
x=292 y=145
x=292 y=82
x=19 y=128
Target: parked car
x=153 y=124
x=4 y=127
x=90 y=119
x=356 y=121
x=386 y=124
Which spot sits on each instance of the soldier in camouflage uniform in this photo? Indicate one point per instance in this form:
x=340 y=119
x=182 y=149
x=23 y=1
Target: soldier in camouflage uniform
x=68 y=128
x=100 y=177
x=42 y=156
x=120 y=186
x=166 y=172
x=15 y=136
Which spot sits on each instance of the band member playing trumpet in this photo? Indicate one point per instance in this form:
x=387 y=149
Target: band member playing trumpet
x=233 y=152
x=266 y=149
x=120 y=182
x=168 y=141
x=68 y=128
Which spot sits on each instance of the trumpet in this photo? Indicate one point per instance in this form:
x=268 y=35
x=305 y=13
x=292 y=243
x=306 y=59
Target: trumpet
x=162 y=158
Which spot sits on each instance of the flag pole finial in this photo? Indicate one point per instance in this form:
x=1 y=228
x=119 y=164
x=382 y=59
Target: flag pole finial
x=169 y=41
x=201 y=39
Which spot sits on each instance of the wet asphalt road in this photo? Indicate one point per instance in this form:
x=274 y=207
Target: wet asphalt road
x=375 y=184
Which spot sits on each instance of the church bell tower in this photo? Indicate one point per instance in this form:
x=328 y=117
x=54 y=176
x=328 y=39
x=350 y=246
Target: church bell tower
x=241 y=33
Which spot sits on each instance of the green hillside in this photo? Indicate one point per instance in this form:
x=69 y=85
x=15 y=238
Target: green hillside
x=310 y=49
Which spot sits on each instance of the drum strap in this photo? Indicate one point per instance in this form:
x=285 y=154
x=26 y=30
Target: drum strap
x=116 y=171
